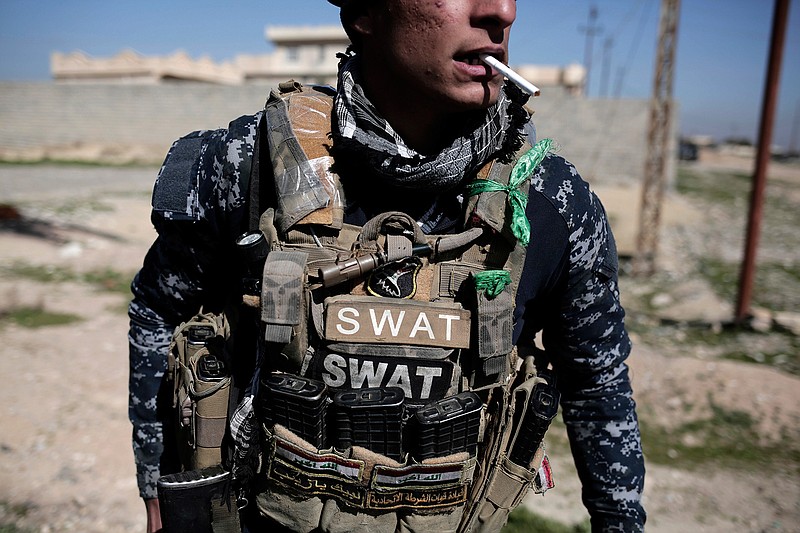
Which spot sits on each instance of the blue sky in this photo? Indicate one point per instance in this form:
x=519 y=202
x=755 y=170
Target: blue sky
x=720 y=67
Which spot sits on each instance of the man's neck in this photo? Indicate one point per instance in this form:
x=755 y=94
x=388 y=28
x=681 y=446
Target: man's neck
x=424 y=127
x=423 y=130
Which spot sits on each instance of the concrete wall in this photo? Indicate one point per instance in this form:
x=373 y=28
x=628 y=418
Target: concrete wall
x=605 y=139
x=36 y=114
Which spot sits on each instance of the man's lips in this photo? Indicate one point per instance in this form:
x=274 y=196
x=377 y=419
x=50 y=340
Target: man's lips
x=472 y=64
x=473 y=57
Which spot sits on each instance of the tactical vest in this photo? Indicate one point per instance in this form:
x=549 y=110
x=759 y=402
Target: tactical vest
x=390 y=396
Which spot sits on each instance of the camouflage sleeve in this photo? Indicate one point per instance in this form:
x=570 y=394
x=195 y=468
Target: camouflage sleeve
x=148 y=339
x=589 y=345
x=198 y=206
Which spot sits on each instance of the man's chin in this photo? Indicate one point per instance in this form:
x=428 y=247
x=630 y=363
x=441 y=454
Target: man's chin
x=471 y=97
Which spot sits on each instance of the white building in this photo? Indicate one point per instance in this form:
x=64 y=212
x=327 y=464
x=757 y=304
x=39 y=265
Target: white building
x=303 y=53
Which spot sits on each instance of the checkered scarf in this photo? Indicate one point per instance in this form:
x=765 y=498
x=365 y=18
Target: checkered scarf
x=358 y=128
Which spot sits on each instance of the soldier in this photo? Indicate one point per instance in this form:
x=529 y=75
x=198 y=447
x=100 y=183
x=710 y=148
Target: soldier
x=416 y=116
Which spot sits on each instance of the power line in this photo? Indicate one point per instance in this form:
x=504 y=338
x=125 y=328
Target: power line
x=637 y=38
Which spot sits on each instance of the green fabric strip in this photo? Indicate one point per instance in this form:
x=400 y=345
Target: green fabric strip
x=492 y=281
x=523 y=169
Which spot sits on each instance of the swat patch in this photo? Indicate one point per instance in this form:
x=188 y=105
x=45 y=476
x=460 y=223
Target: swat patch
x=397 y=279
x=420 y=379
x=382 y=320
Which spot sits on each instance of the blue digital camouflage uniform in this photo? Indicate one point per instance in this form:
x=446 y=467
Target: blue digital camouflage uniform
x=568 y=291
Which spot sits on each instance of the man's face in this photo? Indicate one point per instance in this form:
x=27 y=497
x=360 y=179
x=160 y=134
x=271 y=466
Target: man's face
x=426 y=51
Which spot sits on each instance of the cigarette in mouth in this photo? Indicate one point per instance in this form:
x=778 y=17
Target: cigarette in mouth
x=521 y=82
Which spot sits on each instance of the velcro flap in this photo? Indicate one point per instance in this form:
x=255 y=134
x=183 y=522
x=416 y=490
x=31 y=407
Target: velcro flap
x=495 y=324
x=210 y=431
x=282 y=294
x=174 y=192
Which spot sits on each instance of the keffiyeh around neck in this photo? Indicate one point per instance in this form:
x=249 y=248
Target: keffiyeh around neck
x=359 y=128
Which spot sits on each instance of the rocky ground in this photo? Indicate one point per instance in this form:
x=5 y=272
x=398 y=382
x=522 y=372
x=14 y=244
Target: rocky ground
x=718 y=405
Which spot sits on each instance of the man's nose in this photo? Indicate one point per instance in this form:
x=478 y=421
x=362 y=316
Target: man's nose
x=498 y=14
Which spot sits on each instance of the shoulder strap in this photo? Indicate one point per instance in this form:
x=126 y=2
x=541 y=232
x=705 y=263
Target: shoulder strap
x=254 y=193
x=490 y=206
x=294 y=134
x=298 y=127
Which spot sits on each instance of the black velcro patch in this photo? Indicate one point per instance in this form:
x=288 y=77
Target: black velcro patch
x=178 y=177
x=397 y=279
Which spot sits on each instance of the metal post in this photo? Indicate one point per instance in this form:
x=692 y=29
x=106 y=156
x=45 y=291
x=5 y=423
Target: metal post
x=657 y=141
x=762 y=160
x=591 y=30
x=604 y=76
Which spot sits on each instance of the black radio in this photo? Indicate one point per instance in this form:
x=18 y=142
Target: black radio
x=211 y=368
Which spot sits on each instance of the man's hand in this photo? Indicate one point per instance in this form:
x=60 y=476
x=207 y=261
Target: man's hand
x=153 y=515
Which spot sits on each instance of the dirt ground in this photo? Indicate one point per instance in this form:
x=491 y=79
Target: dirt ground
x=65 y=457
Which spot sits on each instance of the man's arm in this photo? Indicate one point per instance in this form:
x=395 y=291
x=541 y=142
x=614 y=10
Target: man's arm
x=198 y=207
x=597 y=403
x=588 y=345
x=598 y=408
x=169 y=289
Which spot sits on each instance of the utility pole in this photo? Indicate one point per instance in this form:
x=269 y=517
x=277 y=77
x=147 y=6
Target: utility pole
x=591 y=29
x=793 y=135
x=657 y=141
x=607 y=46
x=769 y=104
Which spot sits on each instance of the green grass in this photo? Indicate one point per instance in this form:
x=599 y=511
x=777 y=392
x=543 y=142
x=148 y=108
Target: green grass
x=727 y=438
x=42 y=274
x=47 y=161
x=770 y=284
x=9 y=514
x=83 y=205
x=35 y=317
x=522 y=520
x=733 y=344
x=11 y=528
x=107 y=279
x=723 y=276
x=713 y=186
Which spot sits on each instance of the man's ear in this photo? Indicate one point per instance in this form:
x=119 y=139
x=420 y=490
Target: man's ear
x=363 y=24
